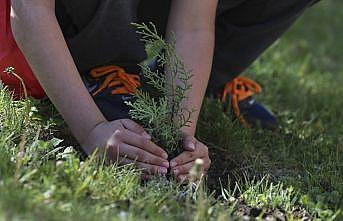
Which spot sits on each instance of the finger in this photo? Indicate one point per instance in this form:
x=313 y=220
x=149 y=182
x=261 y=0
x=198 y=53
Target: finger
x=207 y=164
x=129 y=137
x=112 y=150
x=184 y=158
x=189 y=142
x=186 y=168
x=182 y=169
x=146 y=168
x=134 y=153
x=184 y=178
x=201 y=151
x=134 y=127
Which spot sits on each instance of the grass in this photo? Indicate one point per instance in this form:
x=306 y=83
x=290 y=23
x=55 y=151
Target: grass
x=291 y=175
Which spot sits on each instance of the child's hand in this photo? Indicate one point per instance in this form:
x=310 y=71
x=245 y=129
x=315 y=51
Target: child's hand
x=182 y=164
x=127 y=142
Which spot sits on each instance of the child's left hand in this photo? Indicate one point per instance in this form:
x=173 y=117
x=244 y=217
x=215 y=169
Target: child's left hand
x=182 y=164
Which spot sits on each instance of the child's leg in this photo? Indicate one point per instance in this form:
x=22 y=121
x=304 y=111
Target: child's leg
x=155 y=11
x=243 y=32
x=99 y=33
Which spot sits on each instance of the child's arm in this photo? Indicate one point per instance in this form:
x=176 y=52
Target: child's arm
x=39 y=36
x=193 y=22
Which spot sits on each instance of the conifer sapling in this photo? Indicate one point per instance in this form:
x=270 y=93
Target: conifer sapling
x=158 y=105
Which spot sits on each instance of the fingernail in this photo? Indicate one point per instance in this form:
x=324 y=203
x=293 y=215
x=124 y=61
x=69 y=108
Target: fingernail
x=165 y=164
x=175 y=172
x=173 y=164
x=146 y=135
x=182 y=178
x=191 y=146
x=163 y=171
x=165 y=156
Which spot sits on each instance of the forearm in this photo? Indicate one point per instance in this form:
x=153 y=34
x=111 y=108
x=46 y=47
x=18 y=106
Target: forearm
x=196 y=50
x=38 y=34
x=193 y=23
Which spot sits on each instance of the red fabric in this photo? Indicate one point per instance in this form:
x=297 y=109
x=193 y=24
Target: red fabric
x=11 y=56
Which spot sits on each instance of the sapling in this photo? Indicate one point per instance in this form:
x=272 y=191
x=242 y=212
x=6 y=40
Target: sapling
x=158 y=105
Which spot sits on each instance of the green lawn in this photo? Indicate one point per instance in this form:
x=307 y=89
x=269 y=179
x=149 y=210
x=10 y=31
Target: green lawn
x=289 y=175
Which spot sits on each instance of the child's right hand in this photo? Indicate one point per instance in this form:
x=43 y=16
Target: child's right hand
x=126 y=142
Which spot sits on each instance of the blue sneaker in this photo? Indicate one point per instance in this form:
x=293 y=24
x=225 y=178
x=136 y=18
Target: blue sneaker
x=240 y=93
x=111 y=86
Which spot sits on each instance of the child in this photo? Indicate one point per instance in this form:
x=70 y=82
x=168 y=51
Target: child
x=72 y=44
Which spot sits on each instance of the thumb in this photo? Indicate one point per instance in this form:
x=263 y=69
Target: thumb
x=134 y=127
x=189 y=142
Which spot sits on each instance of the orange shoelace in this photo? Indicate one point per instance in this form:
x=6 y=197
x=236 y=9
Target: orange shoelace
x=117 y=78
x=240 y=88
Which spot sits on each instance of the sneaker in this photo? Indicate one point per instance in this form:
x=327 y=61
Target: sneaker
x=239 y=93
x=111 y=87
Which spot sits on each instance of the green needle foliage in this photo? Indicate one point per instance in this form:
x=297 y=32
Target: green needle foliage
x=159 y=106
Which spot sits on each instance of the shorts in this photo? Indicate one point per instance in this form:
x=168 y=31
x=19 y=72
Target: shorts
x=96 y=36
